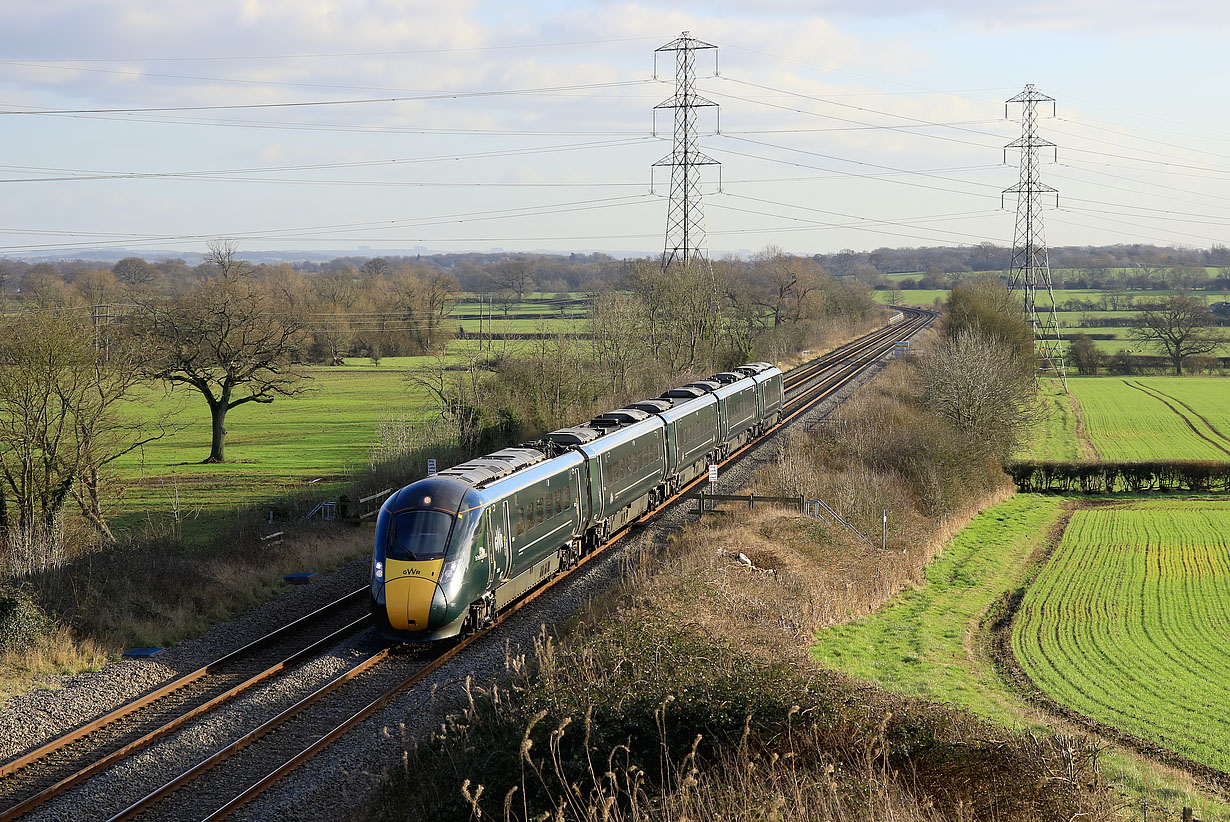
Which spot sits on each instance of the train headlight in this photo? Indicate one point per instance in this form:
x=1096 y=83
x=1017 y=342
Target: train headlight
x=449 y=571
x=379 y=570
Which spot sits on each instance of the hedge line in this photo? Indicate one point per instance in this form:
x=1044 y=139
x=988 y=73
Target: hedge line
x=1106 y=477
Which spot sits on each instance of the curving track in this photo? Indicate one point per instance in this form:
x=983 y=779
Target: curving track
x=255 y=759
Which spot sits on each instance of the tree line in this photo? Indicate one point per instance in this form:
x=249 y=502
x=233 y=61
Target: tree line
x=234 y=333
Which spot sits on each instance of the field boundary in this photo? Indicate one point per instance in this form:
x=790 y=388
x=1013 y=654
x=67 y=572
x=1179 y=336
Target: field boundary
x=999 y=621
x=1085 y=448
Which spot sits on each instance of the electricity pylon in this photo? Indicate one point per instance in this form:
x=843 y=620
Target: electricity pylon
x=1031 y=267
x=685 y=219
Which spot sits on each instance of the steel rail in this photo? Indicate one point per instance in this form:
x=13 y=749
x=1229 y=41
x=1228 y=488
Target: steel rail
x=854 y=361
x=32 y=802
x=81 y=732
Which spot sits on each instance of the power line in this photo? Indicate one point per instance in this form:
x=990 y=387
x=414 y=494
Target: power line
x=335 y=54
x=443 y=95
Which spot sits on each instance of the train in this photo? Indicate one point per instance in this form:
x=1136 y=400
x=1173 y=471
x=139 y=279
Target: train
x=454 y=548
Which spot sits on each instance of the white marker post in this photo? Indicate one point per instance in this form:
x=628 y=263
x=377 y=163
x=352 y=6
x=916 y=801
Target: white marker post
x=431 y=466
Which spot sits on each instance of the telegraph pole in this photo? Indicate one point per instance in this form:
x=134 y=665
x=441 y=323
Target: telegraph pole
x=1031 y=266
x=685 y=220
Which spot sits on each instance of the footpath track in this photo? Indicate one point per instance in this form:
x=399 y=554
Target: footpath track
x=257 y=757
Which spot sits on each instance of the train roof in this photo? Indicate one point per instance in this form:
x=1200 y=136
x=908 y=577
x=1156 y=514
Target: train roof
x=490 y=467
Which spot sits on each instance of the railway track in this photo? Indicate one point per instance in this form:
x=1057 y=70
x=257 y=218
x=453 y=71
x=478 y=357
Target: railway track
x=239 y=771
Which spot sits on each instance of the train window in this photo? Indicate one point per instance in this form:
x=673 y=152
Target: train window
x=567 y=496
x=550 y=506
x=540 y=510
x=558 y=500
x=520 y=522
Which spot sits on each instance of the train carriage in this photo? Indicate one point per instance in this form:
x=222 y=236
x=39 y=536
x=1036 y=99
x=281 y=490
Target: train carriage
x=739 y=406
x=692 y=431
x=625 y=453
x=452 y=548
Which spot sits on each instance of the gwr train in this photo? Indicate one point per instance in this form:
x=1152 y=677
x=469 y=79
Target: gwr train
x=452 y=548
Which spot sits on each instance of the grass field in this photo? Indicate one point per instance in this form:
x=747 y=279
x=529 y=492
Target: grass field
x=276 y=447
x=920 y=642
x=1134 y=418
x=1127 y=623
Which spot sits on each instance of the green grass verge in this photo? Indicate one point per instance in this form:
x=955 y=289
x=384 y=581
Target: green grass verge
x=1054 y=436
x=919 y=643
x=1126 y=621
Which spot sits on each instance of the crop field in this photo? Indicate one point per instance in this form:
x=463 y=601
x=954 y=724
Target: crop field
x=1142 y=418
x=928 y=640
x=1133 y=418
x=1127 y=623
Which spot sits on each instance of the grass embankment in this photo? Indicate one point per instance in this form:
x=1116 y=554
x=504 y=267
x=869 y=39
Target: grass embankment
x=1134 y=418
x=1126 y=621
x=923 y=643
x=687 y=693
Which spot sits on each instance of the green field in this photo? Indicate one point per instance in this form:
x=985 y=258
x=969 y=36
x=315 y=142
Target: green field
x=1135 y=418
x=920 y=642
x=275 y=448
x=930 y=640
x=1127 y=623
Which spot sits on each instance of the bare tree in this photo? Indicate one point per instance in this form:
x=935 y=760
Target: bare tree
x=376 y=267
x=134 y=272
x=977 y=382
x=230 y=340
x=1181 y=327
x=60 y=428
x=222 y=256
x=516 y=275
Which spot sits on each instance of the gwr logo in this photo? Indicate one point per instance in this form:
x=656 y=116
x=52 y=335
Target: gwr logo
x=412 y=571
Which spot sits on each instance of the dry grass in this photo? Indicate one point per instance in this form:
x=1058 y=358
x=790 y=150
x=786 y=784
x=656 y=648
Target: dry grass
x=156 y=594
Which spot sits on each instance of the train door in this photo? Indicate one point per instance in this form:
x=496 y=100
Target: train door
x=498 y=535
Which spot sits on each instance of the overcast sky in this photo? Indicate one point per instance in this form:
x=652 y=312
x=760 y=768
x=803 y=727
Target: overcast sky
x=382 y=124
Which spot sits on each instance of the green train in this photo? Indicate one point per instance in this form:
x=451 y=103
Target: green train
x=454 y=548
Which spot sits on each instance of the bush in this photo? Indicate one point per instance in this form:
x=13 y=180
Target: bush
x=22 y=622
x=1110 y=477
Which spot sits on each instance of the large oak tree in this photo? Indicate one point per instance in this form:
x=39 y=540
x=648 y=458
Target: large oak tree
x=1181 y=327
x=231 y=339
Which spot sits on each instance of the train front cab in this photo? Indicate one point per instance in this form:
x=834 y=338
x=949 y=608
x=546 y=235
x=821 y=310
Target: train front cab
x=430 y=552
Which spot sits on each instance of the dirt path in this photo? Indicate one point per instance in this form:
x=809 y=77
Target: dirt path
x=1085 y=449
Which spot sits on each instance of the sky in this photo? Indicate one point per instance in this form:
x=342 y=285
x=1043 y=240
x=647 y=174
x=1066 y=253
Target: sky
x=366 y=126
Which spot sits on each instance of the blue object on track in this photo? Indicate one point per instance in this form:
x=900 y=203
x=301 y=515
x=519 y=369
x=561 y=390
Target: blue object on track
x=301 y=578
x=141 y=653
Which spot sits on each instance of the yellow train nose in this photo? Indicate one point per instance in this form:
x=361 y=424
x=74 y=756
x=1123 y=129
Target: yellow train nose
x=408 y=590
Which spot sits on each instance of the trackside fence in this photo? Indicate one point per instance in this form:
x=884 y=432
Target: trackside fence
x=815 y=508
x=364 y=508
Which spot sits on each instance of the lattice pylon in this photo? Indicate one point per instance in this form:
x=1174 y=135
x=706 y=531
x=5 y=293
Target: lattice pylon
x=1031 y=266
x=685 y=218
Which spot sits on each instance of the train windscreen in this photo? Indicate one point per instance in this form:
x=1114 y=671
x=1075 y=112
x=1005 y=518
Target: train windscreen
x=419 y=535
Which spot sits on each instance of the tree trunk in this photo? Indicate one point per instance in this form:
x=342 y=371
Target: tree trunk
x=1178 y=365
x=217 y=444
